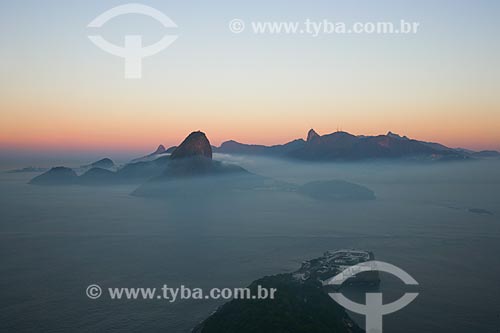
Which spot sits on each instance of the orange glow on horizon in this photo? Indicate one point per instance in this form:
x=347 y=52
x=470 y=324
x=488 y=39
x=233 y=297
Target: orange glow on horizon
x=135 y=141
x=123 y=128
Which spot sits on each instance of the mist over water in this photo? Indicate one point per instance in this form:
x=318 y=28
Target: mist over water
x=55 y=241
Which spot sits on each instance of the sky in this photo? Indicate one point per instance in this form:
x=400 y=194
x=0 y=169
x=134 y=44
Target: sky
x=59 y=92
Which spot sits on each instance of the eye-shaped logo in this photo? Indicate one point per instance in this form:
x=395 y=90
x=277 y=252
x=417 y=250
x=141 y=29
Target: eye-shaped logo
x=132 y=51
x=374 y=309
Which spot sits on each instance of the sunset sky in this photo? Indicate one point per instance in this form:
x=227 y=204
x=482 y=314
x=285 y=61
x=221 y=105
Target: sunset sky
x=60 y=92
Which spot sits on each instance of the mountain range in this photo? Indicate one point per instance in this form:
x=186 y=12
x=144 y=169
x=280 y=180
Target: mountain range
x=190 y=171
x=343 y=146
x=191 y=159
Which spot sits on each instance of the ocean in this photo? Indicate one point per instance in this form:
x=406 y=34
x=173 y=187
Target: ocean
x=431 y=220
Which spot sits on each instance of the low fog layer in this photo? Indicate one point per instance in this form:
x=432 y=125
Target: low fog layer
x=426 y=219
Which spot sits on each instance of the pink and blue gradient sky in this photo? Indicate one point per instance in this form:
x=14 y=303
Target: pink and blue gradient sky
x=59 y=92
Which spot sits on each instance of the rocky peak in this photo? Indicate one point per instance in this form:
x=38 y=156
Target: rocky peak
x=396 y=136
x=196 y=144
x=311 y=135
x=160 y=150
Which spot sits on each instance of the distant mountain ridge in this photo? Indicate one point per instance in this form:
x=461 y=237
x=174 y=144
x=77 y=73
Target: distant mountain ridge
x=104 y=163
x=193 y=158
x=343 y=146
x=160 y=151
x=190 y=171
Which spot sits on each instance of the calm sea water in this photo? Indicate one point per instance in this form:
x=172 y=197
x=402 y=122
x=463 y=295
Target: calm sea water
x=55 y=241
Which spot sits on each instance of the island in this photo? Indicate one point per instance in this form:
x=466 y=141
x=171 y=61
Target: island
x=301 y=303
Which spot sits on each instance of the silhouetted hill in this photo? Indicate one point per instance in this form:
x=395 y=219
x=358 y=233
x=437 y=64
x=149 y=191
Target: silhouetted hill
x=298 y=307
x=233 y=147
x=198 y=166
x=157 y=153
x=56 y=176
x=191 y=170
x=312 y=135
x=193 y=158
x=142 y=171
x=132 y=173
x=159 y=150
x=196 y=144
x=105 y=163
x=97 y=176
x=486 y=154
